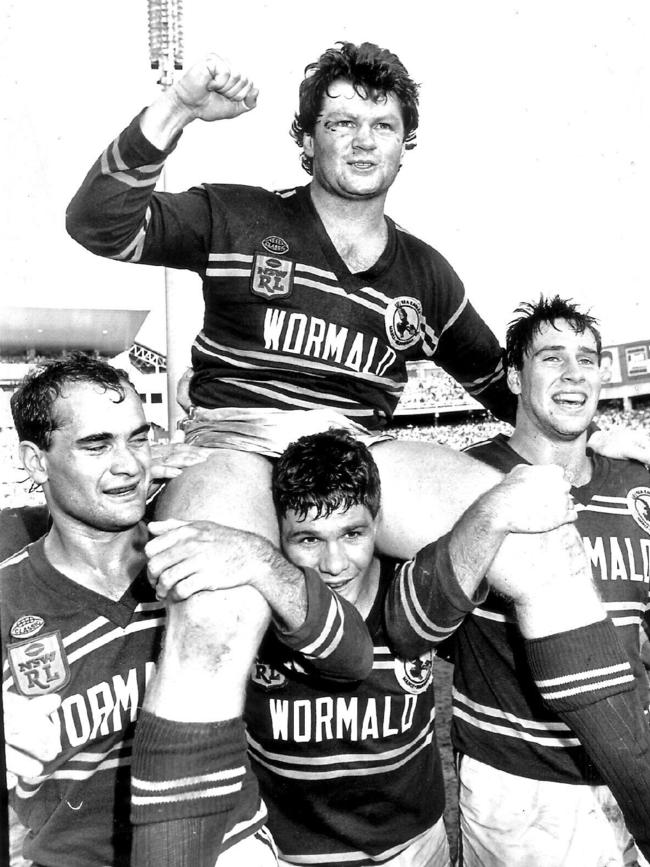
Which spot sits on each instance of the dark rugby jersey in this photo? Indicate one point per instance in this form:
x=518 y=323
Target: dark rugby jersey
x=498 y=715
x=286 y=324
x=98 y=655
x=351 y=773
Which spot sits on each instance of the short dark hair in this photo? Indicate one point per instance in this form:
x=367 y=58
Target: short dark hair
x=374 y=72
x=32 y=404
x=533 y=315
x=326 y=471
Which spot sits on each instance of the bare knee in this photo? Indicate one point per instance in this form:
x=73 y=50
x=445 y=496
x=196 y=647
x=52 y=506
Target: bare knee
x=210 y=645
x=210 y=625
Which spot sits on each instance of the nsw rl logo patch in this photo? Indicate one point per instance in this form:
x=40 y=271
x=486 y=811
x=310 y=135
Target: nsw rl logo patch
x=265 y=676
x=272 y=276
x=39 y=665
x=638 y=501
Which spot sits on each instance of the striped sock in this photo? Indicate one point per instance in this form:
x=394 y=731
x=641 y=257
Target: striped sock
x=585 y=676
x=576 y=668
x=187 y=779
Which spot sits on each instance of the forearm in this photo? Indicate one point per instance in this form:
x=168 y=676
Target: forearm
x=426 y=603
x=164 y=120
x=334 y=639
x=281 y=584
x=473 y=544
x=471 y=354
x=109 y=213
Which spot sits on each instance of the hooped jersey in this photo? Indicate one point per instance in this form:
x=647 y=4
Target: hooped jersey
x=286 y=324
x=350 y=774
x=498 y=715
x=97 y=654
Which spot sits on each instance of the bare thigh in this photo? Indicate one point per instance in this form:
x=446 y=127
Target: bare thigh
x=426 y=487
x=230 y=488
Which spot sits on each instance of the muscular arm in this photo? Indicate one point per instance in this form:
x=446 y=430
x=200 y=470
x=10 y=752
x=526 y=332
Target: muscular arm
x=433 y=592
x=186 y=558
x=116 y=214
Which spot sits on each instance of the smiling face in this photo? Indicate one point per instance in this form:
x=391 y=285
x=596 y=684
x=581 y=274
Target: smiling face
x=358 y=143
x=340 y=547
x=559 y=383
x=96 y=469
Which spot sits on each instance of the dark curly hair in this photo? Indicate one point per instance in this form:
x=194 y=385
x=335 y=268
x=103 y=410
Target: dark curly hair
x=373 y=71
x=32 y=404
x=326 y=471
x=522 y=330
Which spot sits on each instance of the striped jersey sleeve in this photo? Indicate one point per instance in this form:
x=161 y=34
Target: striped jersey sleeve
x=116 y=210
x=334 y=639
x=425 y=603
x=470 y=353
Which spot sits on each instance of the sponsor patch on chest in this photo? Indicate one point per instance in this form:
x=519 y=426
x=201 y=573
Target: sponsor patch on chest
x=638 y=500
x=275 y=245
x=272 y=276
x=39 y=665
x=403 y=320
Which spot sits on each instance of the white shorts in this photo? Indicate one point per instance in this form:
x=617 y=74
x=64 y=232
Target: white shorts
x=266 y=431
x=430 y=849
x=257 y=850
x=512 y=821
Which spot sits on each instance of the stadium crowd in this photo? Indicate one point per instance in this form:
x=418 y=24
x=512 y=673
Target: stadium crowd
x=15 y=489
x=435 y=390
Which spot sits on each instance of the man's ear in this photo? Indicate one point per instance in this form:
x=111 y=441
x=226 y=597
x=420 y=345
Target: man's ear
x=308 y=145
x=514 y=380
x=34 y=460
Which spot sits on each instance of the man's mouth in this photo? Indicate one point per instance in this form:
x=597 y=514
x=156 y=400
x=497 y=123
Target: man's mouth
x=336 y=585
x=124 y=490
x=570 y=399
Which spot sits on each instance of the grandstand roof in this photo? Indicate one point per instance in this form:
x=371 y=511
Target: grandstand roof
x=48 y=329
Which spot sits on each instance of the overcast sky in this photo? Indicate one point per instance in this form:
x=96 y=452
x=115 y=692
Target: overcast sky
x=531 y=174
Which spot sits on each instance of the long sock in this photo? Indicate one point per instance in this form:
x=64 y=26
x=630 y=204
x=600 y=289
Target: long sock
x=585 y=676
x=187 y=779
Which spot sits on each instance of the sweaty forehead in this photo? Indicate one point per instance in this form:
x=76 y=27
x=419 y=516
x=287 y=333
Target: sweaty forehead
x=83 y=407
x=561 y=333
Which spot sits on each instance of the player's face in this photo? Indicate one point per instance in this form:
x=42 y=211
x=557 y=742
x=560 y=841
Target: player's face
x=357 y=145
x=559 y=384
x=340 y=547
x=96 y=471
